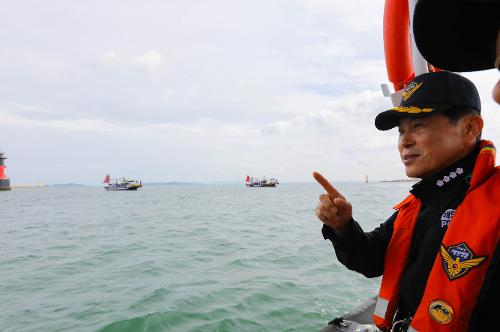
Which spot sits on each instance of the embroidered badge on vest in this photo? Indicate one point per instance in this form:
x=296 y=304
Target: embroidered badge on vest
x=441 y=311
x=458 y=260
x=446 y=217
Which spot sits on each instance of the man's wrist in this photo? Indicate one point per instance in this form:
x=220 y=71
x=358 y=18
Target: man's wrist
x=334 y=234
x=341 y=231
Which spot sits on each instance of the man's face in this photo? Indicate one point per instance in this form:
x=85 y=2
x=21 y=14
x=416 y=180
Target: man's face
x=430 y=144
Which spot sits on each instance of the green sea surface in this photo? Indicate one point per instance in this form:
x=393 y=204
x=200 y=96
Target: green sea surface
x=178 y=258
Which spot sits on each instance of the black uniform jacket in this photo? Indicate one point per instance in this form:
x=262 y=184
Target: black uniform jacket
x=364 y=252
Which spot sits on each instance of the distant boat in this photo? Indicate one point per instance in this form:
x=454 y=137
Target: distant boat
x=261 y=182
x=121 y=184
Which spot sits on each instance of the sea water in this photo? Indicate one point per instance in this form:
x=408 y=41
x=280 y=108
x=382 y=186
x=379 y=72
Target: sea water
x=178 y=258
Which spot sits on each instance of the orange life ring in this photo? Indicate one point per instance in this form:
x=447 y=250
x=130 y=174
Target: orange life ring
x=397 y=43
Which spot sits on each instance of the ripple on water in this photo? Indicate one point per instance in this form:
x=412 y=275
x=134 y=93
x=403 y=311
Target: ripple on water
x=157 y=296
x=158 y=321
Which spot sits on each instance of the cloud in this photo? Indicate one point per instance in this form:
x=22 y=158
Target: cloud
x=323 y=120
x=199 y=128
x=26 y=109
x=17 y=120
x=151 y=62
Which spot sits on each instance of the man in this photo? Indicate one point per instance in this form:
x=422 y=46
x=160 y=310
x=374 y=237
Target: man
x=459 y=35
x=438 y=252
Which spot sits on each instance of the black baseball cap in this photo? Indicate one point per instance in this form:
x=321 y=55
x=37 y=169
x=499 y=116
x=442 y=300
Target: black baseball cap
x=429 y=93
x=457 y=35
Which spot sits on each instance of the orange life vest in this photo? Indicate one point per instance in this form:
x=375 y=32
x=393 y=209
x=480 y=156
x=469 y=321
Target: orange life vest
x=461 y=265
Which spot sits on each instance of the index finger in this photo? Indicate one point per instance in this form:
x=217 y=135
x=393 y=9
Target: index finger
x=327 y=185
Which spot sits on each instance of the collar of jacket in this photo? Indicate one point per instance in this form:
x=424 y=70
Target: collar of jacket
x=455 y=177
x=477 y=167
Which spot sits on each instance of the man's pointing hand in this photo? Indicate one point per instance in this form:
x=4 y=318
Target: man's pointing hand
x=333 y=209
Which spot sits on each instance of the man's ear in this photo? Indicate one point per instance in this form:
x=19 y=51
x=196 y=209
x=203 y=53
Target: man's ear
x=473 y=125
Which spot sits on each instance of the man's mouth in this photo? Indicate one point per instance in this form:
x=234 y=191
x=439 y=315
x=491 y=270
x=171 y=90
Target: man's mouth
x=409 y=157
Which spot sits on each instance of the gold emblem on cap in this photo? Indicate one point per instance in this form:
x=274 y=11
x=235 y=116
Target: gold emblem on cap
x=412 y=109
x=410 y=90
x=441 y=311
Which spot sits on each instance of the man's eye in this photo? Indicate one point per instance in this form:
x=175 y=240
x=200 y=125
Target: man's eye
x=418 y=125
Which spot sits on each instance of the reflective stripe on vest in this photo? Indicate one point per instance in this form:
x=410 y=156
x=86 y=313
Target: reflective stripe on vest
x=461 y=265
x=381 y=307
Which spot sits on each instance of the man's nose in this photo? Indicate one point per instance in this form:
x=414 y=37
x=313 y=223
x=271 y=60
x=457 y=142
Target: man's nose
x=406 y=140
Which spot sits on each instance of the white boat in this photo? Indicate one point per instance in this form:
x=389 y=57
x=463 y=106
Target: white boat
x=261 y=182
x=121 y=184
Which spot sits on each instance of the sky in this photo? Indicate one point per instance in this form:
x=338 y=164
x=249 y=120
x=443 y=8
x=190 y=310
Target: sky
x=198 y=91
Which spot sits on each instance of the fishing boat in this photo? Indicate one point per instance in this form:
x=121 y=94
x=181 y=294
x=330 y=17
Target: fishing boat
x=121 y=184
x=260 y=182
x=4 y=180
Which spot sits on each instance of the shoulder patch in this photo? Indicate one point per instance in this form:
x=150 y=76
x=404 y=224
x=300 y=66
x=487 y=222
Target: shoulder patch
x=458 y=260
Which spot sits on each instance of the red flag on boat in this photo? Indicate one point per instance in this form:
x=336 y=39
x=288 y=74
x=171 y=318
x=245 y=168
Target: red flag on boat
x=106 y=179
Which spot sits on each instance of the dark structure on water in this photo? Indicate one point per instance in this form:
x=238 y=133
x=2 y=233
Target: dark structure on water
x=4 y=180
